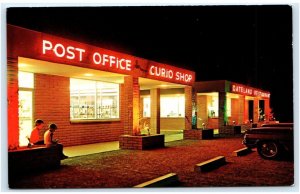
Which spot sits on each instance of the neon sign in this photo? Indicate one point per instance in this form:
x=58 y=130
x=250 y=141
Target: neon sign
x=171 y=74
x=249 y=91
x=105 y=59
x=60 y=50
x=70 y=52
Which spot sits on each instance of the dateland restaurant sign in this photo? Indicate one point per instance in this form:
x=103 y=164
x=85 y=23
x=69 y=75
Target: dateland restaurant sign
x=248 y=91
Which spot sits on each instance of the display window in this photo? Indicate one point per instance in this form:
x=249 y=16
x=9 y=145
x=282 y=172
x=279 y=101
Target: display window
x=213 y=108
x=228 y=107
x=170 y=106
x=146 y=109
x=93 y=100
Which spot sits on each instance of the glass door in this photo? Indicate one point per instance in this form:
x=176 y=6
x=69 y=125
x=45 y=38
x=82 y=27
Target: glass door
x=25 y=116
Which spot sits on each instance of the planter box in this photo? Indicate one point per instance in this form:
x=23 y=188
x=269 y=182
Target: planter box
x=142 y=142
x=192 y=134
x=231 y=130
x=198 y=134
x=237 y=129
x=253 y=125
x=207 y=134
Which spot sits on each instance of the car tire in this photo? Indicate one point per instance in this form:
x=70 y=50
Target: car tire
x=269 y=149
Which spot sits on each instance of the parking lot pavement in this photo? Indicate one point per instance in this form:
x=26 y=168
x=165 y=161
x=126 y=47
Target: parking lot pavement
x=248 y=170
x=126 y=168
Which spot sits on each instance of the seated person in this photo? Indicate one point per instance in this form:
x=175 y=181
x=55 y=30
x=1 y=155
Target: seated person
x=49 y=141
x=35 y=133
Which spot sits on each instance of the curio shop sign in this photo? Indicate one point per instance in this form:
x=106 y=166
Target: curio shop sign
x=169 y=73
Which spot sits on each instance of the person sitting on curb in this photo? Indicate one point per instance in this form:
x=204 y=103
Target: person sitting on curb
x=49 y=141
x=35 y=133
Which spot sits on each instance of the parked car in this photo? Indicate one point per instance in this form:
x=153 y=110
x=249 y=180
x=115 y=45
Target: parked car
x=271 y=140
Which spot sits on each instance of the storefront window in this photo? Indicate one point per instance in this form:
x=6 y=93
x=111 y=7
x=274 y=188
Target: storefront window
x=213 y=109
x=25 y=80
x=146 y=109
x=172 y=106
x=93 y=99
x=228 y=106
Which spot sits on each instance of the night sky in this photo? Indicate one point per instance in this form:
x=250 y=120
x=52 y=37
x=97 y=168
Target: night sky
x=251 y=45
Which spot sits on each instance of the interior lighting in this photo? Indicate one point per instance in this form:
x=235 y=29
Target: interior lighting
x=88 y=74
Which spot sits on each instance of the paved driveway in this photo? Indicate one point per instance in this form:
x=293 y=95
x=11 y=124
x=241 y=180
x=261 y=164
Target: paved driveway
x=126 y=168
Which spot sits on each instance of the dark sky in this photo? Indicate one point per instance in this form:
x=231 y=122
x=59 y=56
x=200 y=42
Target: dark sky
x=247 y=44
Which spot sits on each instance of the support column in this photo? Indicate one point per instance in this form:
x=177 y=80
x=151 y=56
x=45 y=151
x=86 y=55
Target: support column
x=188 y=107
x=223 y=119
x=246 y=111
x=194 y=109
x=242 y=103
x=131 y=101
x=267 y=109
x=155 y=110
x=202 y=110
x=12 y=104
x=255 y=110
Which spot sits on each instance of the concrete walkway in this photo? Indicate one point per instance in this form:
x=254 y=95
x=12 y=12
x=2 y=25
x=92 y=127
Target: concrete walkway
x=73 y=151
x=87 y=149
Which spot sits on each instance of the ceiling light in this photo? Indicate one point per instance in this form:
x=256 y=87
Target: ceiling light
x=88 y=74
x=22 y=65
x=163 y=85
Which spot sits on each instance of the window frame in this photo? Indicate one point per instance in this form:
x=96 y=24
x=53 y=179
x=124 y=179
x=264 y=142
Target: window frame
x=96 y=119
x=161 y=97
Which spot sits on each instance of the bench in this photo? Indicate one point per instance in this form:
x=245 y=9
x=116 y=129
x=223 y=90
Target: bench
x=170 y=179
x=25 y=160
x=211 y=164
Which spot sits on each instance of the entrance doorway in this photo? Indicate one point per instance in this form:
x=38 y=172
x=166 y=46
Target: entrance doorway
x=250 y=110
x=261 y=110
x=25 y=116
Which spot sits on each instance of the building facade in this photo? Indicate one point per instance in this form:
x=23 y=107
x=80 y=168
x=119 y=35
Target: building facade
x=92 y=94
x=224 y=103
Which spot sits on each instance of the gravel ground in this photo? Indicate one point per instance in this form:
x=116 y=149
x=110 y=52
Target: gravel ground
x=126 y=168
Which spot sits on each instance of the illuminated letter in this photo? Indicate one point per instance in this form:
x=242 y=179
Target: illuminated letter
x=128 y=65
x=120 y=64
x=69 y=51
x=104 y=59
x=80 y=53
x=97 y=58
x=112 y=60
x=163 y=71
x=63 y=50
x=190 y=78
x=233 y=88
x=47 y=45
x=151 y=70
x=186 y=78
x=177 y=75
x=171 y=74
